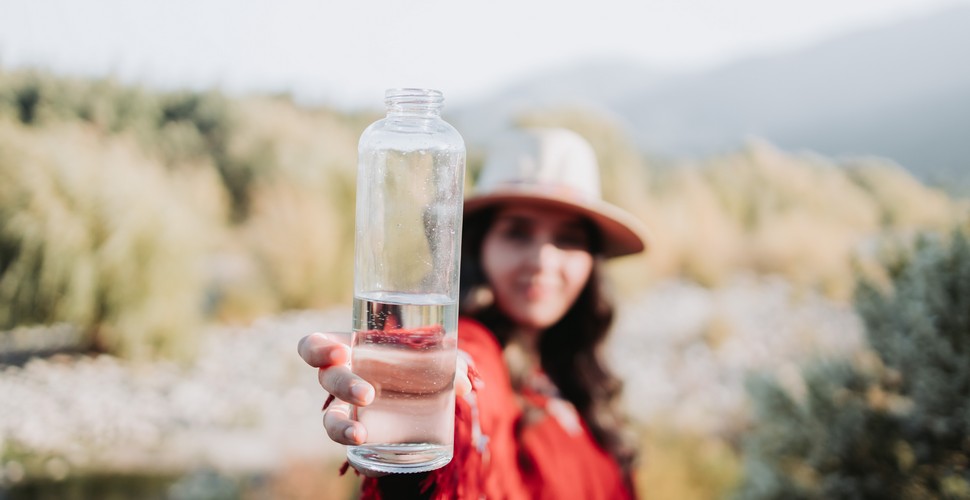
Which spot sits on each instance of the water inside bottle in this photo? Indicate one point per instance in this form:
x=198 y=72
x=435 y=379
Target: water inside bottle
x=405 y=345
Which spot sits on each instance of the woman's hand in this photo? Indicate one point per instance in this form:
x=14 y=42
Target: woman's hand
x=330 y=354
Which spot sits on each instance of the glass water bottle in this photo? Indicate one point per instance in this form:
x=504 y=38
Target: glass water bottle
x=410 y=181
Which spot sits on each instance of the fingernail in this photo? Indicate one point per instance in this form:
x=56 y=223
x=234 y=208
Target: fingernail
x=361 y=392
x=339 y=356
x=351 y=433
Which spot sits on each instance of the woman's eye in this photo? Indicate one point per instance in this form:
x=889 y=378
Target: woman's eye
x=518 y=234
x=571 y=240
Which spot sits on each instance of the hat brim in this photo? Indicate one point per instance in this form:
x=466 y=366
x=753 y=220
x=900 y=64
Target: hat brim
x=622 y=233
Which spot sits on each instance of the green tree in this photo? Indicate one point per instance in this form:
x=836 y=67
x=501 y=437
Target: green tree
x=894 y=423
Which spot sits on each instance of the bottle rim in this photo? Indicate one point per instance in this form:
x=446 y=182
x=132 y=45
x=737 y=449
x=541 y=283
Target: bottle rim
x=413 y=96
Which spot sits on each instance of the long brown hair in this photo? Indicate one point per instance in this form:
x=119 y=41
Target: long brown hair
x=569 y=350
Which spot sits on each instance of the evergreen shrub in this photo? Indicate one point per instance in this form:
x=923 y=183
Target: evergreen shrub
x=892 y=423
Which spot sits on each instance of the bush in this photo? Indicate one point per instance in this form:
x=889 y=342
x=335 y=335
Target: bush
x=96 y=235
x=301 y=247
x=802 y=217
x=300 y=226
x=176 y=127
x=896 y=422
x=679 y=465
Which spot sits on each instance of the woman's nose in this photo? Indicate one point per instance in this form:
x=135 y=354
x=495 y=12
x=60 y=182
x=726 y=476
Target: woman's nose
x=544 y=254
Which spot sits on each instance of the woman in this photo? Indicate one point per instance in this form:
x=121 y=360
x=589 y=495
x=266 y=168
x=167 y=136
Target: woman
x=536 y=415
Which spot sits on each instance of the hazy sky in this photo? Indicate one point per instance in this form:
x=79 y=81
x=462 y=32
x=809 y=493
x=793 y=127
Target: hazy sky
x=348 y=52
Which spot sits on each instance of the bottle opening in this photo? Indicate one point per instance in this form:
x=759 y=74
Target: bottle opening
x=414 y=100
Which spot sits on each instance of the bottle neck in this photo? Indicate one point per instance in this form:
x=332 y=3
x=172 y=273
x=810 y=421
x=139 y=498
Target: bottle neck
x=414 y=102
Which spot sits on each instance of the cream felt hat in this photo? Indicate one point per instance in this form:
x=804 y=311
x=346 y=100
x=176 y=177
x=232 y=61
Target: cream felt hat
x=556 y=168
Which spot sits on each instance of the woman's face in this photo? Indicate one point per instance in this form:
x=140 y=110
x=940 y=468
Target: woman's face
x=537 y=261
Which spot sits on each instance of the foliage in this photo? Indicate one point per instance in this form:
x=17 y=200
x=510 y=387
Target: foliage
x=96 y=235
x=804 y=217
x=677 y=465
x=175 y=127
x=258 y=193
x=300 y=228
x=896 y=422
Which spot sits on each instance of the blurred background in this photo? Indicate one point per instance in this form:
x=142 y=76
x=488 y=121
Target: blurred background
x=176 y=211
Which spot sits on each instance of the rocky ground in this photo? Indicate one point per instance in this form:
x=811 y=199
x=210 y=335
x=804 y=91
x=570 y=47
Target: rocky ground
x=685 y=351
x=248 y=402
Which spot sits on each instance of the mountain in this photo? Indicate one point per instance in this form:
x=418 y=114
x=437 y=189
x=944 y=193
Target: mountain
x=589 y=84
x=899 y=91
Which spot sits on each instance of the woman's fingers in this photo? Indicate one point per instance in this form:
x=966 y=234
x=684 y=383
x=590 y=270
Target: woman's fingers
x=342 y=383
x=323 y=350
x=339 y=426
x=463 y=385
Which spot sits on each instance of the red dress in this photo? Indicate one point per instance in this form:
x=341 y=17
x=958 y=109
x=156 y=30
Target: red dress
x=554 y=456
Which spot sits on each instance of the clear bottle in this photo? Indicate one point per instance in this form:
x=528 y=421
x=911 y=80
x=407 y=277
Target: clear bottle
x=410 y=180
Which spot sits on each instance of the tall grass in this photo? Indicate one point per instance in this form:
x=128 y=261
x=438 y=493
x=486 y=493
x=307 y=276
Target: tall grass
x=296 y=236
x=97 y=235
x=300 y=230
x=807 y=218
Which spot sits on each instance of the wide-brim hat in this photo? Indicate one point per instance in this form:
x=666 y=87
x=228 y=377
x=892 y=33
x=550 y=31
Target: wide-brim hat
x=554 y=168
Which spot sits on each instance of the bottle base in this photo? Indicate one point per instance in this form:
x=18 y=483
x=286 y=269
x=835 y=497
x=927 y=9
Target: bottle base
x=399 y=458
